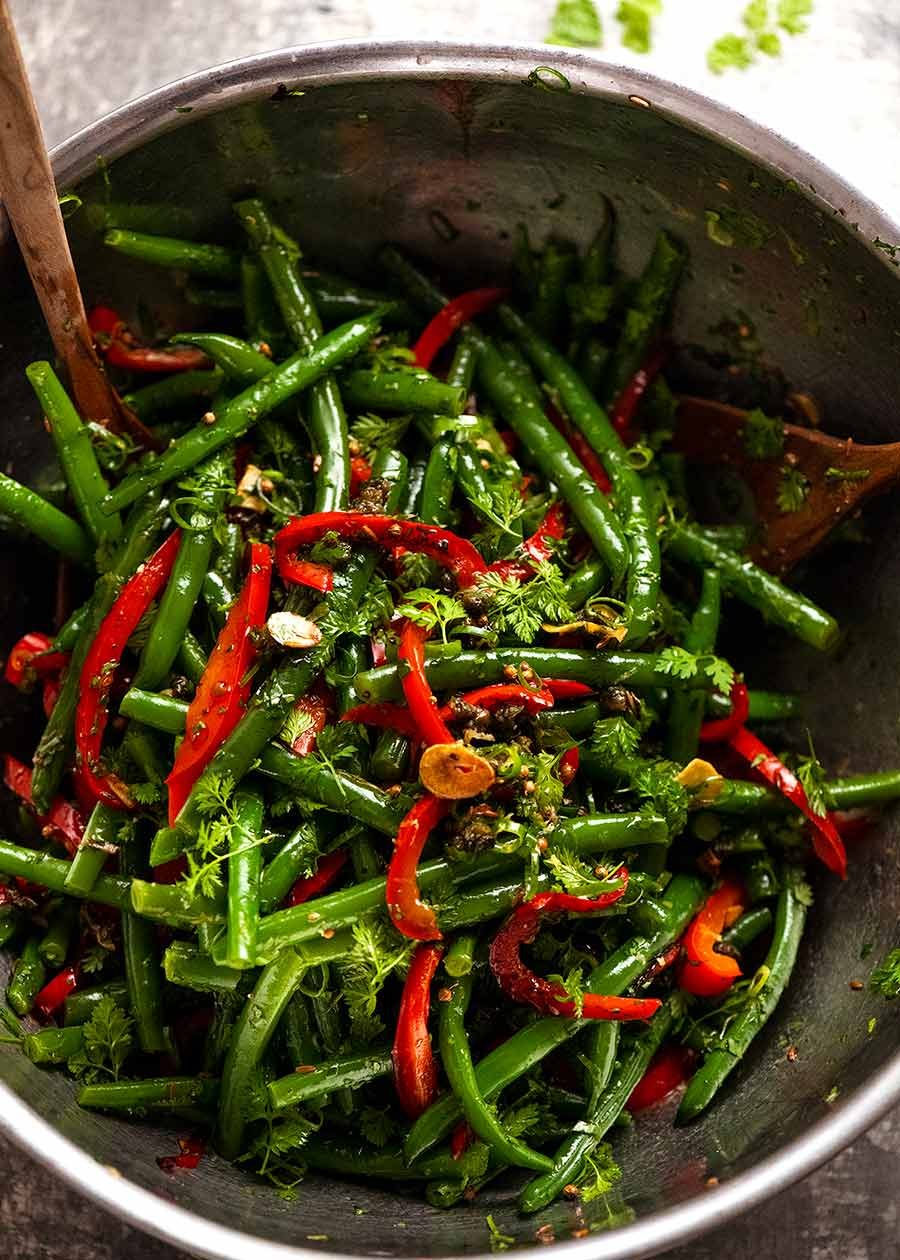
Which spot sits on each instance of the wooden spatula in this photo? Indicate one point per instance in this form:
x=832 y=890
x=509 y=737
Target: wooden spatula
x=29 y=195
x=839 y=476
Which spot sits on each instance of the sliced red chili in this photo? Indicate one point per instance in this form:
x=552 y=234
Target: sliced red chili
x=670 y=1067
x=224 y=687
x=327 y=871
x=828 y=845
x=409 y=914
x=566 y=688
x=19 y=669
x=120 y=348
x=722 y=729
x=191 y=1151
x=461 y=1139
x=626 y=404
x=524 y=985
x=705 y=972
x=55 y=992
x=441 y=545
x=360 y=473
x=536 y=549
x=50 y=694
x=391 y=717
x=98 y=671
x=593 y=465
x=315 y=707
x=62 y=821
x=430 y=726
x=534 y=699
x=415 y=1071
x=449 y=318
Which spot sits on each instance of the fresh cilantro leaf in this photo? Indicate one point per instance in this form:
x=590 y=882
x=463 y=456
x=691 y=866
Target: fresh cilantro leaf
x=575 y=24
x=677 y=662
x=501 y=510
x=636 y=18
x=719 y=671
x=378 y=951
x=297 y=723
x=378 y=1125
x=791 y=14
x=430 y=608
x=522 y=608
x=602 y=1173
x=146 y=793
x=613 y=739
x=769 y=45
x=213 y=794
x=415 y=570
x=793 y=489
x=730 y=51
x=576 y=876
x=811 y=774
x=763 y=435
x=885 y=979
x=378 y=433
x=756 y=15
x=108 y=1039
x=656 y=784
x=573 y=985
x=344 y=616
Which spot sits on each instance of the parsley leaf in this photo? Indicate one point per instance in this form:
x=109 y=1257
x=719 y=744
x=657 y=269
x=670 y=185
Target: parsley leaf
x=885 y=979
x=604 y=1173
x=522 y=608
x=378 y=1126
x=575 y=24
x=378 y=433
x=613 y=739
x=636 y=18
x=677 y=662
x=378 y=951
x=430 y=608
x=812 y=775
x=108 y=1038
x=729 y=51
x=763 y=435
x=793 y=489
x=791 y=14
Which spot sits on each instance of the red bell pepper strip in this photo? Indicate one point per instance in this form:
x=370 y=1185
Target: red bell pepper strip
x=20 y=662
x=626 y=404
x=461 y=1139
x=315 y=706
x=223 y=689
x=705 y=972
x=360 y=473
x=441 y=545
x=670 y=1067
x=536 y=549
x=120 y=348
x=430 y=726
x=491 y=697
x=449 y=318
x=62 y=821
x=50 y=694
x=828 y=845
x=408 y=912
x=55 y=991
x=98 y=671
x=330 y=866
x=721 y=730
x=593 y=465
x=415 y=1071
x=523 y=985
x=191 y=1152
x=566 y=689
x=391 y=717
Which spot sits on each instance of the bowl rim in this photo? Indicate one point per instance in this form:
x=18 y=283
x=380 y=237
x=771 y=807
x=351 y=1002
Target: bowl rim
x=207 y=91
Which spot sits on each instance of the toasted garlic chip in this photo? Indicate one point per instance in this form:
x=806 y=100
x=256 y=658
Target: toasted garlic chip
x=293 y=631
x=454 y=772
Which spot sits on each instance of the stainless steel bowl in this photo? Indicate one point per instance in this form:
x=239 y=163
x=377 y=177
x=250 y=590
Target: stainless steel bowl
x=445 y=148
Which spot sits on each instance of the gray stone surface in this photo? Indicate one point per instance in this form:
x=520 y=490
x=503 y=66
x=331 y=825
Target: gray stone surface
x=835 y=93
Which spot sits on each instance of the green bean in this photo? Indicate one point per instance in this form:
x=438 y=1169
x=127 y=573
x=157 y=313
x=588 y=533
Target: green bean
x=593 y=362
x=258 y=1020
x=365 y=858
x=262 y=317
x=336 y=300
x=347 y=1072
x=143 y=972
x=184 y=965
x=390 y=757
x=752 y=924
x=389 y=1164
x=147 y=217
x=606 y=1104
x=555 y=269
x=585 y=581
x=649 y=306
x=461 y=372
x=213 y=297
x=62 y=925
x=163 y=713
x=511 y=388
x=220 y=585
x=52 y=1045
x=639 y=671
x=30 y=511
x=75 y=452
x=11 y=921
x=173 y=905
x=244 y=868
x=28 y=976
x=526 y=1048
x=686 y=707
x=765 y=706
x=50 y=872
x=738 y=797
x=290 y=862
x=437 y=488
x=241 y=413
x=56 y=746
x=214 y=261
x=237 y=359
x=165 y=1093
x=456 y=1058
x=577 y=722
x=80 y=1006
x=166 y=395
x=100 y=839
x=401 y=392
x=67 y=635
x=744 y=580
x=296 y=1033
x=720 y=1062
x=191 y=656
x=643 y=584
x=759 y=877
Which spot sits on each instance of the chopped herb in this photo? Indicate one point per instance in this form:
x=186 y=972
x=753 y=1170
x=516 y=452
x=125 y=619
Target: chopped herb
x=885 y=979
x=812 y=776
x=603 y=1173
x=499 y=1240
x=763 y=435
x=730 y=52
x=847 y=474
x=431 y=609
x=870 y=1026
x=522 y=608
x=108 y=1038
x=791 y=14
x=832 y=1095
x=793 y=489
x=636 y=19
x=576 y=24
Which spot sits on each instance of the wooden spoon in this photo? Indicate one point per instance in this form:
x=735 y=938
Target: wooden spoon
x=841 y=476
x=29 y=195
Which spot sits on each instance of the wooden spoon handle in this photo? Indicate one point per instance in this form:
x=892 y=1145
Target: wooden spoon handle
x=29 y=194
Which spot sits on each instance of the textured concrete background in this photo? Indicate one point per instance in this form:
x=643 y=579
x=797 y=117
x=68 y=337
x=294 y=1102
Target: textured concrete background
x=835 y=92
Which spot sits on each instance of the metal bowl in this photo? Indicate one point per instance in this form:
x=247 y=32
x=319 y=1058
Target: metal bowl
x=445 y=149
